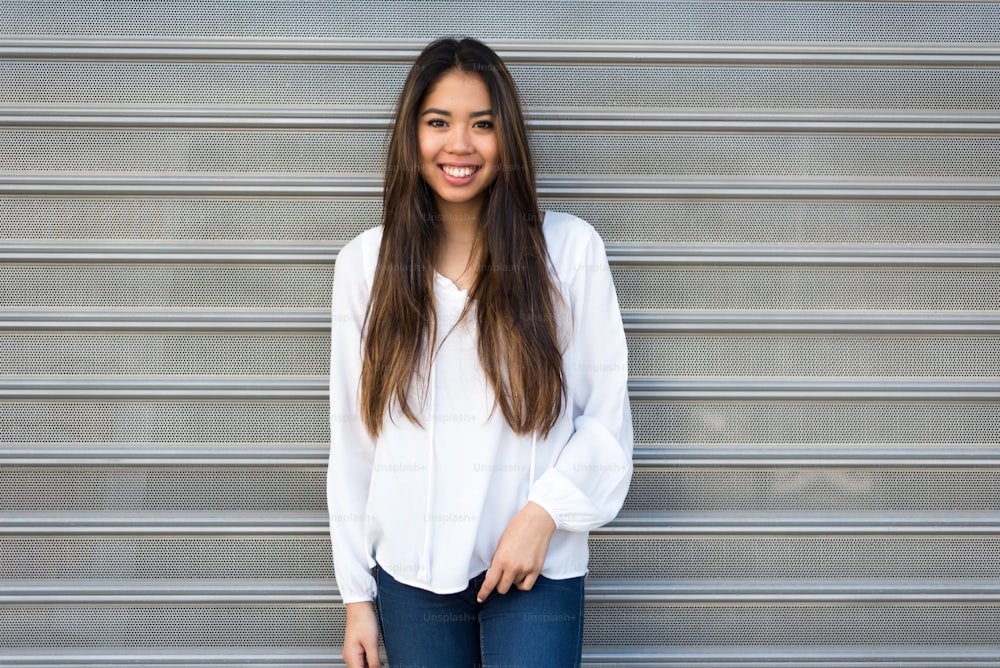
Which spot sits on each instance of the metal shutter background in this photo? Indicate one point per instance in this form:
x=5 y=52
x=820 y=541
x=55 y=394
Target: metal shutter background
x=801 y=202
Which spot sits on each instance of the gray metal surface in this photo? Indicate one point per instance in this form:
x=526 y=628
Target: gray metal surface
x=801 y=206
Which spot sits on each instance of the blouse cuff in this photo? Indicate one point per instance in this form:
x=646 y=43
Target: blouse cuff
x=569 y=508
x=359 y=590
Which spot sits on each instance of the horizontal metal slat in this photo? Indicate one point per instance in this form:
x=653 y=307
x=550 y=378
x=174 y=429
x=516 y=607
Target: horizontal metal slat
x=165 y=524
x=203 y=185
x=567 y=119
x=853 y=656
x=823 y=389
x=181 y=320
x=640 y=389
x=634 y=656
x=521 y=52
x=736 y=188
x=313 y=524
x=804 y=255
x=588 y=188
x=322 y=253
x=839 y=455
x=741 y=591
x=214 y=454
x=65 y=591
x=734 y=524
x=164 y=388
x=871 y=323
x=170 y=253
x=801 y=323
x=85 y=657
x=179 y=454
x=61 y=592
x=216 y=118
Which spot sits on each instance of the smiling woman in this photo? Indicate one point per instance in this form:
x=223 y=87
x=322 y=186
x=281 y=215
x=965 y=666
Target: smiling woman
x=458 y=161
x=480 y=423
x=457 y=141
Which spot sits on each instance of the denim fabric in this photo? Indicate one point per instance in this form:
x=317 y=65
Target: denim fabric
x=540 y=628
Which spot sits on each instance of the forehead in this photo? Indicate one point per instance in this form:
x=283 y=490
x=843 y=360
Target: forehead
x=457 y=89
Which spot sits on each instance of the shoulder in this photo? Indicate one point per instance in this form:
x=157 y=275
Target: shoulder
x=562 y=227
x=571 y=242
x=361 y=252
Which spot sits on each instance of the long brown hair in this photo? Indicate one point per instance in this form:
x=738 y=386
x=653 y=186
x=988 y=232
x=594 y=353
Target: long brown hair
x=515 y=297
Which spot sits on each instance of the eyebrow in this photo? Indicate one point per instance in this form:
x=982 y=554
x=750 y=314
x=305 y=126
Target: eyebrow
x=475 y=114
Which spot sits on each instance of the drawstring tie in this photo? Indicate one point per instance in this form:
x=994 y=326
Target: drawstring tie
x=424 y=569
x=531 y=467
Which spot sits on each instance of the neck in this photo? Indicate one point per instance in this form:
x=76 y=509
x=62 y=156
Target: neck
x=458 y=253
x=460 y=222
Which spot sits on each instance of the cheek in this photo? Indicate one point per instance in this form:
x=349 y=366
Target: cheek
x=427 y=162
x=490 y=153
x=425 y=153
x=427 y=146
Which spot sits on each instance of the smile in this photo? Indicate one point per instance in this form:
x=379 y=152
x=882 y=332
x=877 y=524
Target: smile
x=458 y=172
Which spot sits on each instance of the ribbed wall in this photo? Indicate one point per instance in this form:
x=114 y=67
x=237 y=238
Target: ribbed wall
x=801 y=203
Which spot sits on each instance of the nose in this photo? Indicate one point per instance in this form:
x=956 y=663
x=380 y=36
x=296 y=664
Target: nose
x=459 y=140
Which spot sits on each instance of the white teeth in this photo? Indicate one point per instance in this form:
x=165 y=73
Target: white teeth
x=457 y=172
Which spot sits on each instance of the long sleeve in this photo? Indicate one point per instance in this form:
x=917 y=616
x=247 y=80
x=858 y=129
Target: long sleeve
x=586 y=485
x=352 y=450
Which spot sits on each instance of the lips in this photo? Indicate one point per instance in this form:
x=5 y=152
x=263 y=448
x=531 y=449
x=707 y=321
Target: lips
x=459 y=172
x=459 y=175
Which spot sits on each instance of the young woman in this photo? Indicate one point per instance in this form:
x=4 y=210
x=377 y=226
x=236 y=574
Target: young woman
x=480 y=421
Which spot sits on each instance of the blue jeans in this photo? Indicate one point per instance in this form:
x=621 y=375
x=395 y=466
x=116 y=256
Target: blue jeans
x=539 y=628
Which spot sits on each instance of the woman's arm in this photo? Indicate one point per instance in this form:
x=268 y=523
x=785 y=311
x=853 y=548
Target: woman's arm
x=586 y=486
x=352 y=450
x=351 y=457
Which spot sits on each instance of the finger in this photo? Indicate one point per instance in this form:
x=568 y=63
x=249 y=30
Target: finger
x=506 y=581
x=528 y=582
x=489 y=583
x=354 y=658
x=371 y=653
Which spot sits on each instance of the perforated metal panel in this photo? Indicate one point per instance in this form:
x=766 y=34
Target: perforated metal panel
x=150 y=558
x=170 y=424
x=144 y=286
x=629 y=155
x=837 y=490
x=537 y=20
x=806 y=288
x=624 y=223
x=808 y=424
x=637 y=86
x=796 y=196
x=735 y=559
x=189 y=219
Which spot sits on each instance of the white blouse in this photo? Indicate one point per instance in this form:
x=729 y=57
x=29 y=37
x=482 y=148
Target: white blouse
x=430 y=503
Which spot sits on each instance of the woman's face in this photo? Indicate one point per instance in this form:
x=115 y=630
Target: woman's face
x=458 y=141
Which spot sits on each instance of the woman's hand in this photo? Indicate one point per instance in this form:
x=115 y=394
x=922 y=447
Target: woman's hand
x=361 y=636
x=520 y=554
